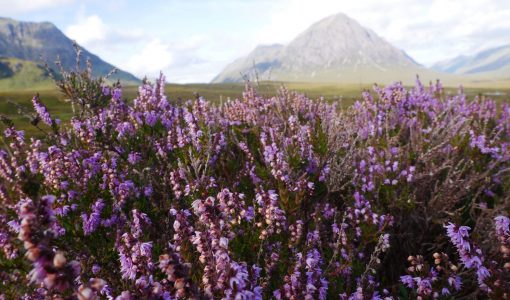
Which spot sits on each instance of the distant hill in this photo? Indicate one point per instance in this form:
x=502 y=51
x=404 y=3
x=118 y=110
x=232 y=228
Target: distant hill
x=494 y=62
x=335 y=49
x=30 y=41
x=22 y=74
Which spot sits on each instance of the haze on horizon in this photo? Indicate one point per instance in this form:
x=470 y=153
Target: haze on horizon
x=192 y=41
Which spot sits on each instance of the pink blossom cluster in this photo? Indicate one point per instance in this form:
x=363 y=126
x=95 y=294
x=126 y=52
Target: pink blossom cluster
x=257 y=198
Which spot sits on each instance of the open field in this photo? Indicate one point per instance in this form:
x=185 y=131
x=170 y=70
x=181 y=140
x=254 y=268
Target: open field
x=217 y=93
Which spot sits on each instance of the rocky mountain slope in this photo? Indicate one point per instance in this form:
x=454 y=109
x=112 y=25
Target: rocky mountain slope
x=335 y=49
x=35 y=42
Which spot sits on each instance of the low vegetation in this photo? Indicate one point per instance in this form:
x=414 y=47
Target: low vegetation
x=403 y=194
x=18 y=74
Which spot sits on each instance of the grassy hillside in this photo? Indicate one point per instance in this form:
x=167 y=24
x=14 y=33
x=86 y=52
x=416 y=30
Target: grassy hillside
x=35 y=41
x=18 y=74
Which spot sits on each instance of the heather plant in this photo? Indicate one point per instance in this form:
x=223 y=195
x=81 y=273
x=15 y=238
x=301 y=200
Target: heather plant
x=402 y=195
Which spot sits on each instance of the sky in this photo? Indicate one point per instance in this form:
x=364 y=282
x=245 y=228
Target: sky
x=193 y=40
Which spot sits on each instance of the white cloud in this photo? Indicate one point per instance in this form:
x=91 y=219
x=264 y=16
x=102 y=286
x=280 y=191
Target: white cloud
x=17 y=6
x=130 y=49
x=88 y=30
x=151 y=59
x=146 y=54
x=92 y=31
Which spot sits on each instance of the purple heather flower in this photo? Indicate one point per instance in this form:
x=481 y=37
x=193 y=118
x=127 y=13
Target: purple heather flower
x=117 y=94
x=424 y=286
x=105 y=90
x=482 y=273
x=126 y=266
x=471 y=257
x=139 y=219
x=150 y=118
x=455 y=282
x=42 y=111
x=146 y=249
x=125 y=129
x=457 y=236
x=407 y=280
x=134 y=158
x=502 y=224
x=95 y=269
x=147 y=191
x=92 y=222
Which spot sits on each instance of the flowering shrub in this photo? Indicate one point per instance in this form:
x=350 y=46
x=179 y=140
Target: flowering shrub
x=282 y=197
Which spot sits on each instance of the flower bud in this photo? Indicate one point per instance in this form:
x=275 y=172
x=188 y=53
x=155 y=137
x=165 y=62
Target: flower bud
x=157 y=289
x=182 y=293
x=85 y=294
x=75 y=266
x=33 y=254
x=25 y=222
x=179 y=283
x=49 y=280
x=97 y=283
x=59 y=260
x=28 y=245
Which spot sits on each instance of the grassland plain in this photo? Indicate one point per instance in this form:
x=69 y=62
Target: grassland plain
x=345 y=95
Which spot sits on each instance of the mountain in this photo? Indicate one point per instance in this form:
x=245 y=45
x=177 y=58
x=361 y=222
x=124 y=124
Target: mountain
x=30 y=41
x=451 y=65
x=494 y=62
x=336 y=48
x=263 y=58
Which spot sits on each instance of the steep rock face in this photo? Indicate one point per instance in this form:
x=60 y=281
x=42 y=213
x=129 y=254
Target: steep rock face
x=494 y=62
x=341 y=41
x=35 y=41
x=335 y=48
x=263 y=58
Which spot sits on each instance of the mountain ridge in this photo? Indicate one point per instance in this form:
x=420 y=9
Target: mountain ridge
x=41 y=42
x=489 y=62
x=336 y=48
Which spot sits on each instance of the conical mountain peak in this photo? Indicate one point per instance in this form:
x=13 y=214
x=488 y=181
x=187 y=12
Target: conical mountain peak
x=332 y=48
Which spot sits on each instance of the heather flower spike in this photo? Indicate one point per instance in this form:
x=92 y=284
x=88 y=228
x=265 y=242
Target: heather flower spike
x=260 y=197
